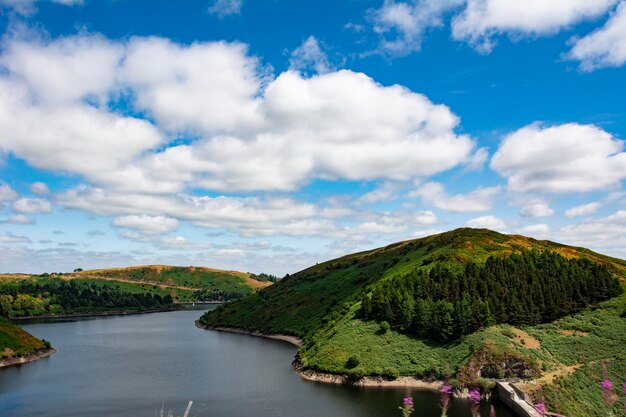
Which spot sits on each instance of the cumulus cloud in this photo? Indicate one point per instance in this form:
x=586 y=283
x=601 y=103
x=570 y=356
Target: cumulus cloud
x=583 y=210
x=560 y=159
x=32 y=205
x=309 y=57
x=487 y=222
x=39 y=188
x=223 y=8
x=605 y=47
x=19 y=219
x=288 y=130
x=7 y=193
x=481 y=199
x=403 y=25
x=482 y=20
x=147 y=224
x=537 y=209
x=606 y=234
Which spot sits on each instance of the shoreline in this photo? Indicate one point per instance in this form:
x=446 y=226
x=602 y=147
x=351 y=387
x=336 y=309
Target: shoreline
x=335 y=379
x=285 y=338
x=94 y=314
x=366 y=381
x=31 y=357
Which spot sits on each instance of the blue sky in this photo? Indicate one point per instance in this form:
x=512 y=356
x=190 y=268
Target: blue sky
x=265 y=136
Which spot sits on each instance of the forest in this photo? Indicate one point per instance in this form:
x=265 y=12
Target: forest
x=521 y=289
x=28 y=298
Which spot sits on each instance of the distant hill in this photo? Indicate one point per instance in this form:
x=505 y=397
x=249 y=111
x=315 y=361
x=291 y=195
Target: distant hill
x=153 y=287
x=491 y=290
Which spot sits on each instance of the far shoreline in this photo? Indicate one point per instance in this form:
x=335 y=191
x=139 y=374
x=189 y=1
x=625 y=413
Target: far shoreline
x=296 y=341
x=93 y=314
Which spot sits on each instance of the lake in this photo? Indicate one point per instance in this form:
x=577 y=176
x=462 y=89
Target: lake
x=132 y=366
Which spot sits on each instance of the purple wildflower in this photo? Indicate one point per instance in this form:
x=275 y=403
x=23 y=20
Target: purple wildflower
x=608 y=395
x=446 y=393
x=407 y=406
x=607 y=385
x=541 y=408
x=474 y=397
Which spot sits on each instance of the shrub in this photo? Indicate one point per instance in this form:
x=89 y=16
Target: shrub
x=384 y=327
x=352 y=362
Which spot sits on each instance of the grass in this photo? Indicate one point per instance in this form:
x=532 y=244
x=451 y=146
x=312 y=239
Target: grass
x=16 y=342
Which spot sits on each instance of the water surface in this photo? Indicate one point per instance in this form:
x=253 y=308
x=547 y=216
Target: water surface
x=131 y=366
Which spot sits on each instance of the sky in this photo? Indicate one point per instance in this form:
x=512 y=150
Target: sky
x=269 y=135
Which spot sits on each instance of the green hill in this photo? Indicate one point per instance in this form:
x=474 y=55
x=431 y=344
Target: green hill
x=533 y=309
x=140 y=288
x=16 y=343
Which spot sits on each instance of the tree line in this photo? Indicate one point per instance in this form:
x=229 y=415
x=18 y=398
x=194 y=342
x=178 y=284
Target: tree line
x=217 y=295
x=522 y=289
x=30 y=298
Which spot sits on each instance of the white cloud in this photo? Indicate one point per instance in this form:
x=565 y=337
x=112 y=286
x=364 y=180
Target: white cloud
x=534 y=230
x=393 y=223
x=247 y=216
x=147 y=224
x=205 y=87
x=339 y=125
x=387 y=191
x=487 y=222
x=537 y=209
x=39 y=188
x=605 y=47
x=288 y=130
x=477 y=161
x=480 y=199
x=408 y=23
x=583 y=210
x=18 y=219
x=482 y=20
x=27 y=7
x=309 y=57
x=11 y=238
x=559 y=159
x=7 y=193
x=32 y=205
x=223 y=8
x=181 y=243
x=607 y=234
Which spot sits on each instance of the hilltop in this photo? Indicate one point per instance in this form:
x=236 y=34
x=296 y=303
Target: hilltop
x=559 y=336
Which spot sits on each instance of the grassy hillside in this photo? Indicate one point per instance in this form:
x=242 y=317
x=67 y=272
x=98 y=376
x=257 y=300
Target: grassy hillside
x=15 y=342
x=131 y=289
x=303 y=303
x=322 y=304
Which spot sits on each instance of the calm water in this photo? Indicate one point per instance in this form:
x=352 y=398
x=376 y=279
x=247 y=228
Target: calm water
x=129 y=366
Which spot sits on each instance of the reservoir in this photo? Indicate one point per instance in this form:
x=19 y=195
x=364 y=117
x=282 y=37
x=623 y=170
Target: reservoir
x=134 y=366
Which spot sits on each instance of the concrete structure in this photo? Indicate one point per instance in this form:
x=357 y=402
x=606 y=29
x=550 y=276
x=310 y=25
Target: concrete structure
x=516 y=400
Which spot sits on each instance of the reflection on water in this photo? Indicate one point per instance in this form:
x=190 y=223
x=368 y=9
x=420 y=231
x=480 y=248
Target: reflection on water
x=129 y=366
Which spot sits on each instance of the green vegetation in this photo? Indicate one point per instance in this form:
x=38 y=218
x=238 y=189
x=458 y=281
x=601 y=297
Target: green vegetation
x=329 y=306
x=28 y=298
x=128 y=289
x=525 y=289
x=15 y=342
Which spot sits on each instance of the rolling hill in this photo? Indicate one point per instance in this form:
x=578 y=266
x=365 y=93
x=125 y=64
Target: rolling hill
x=558 y=333
x=138 y=288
